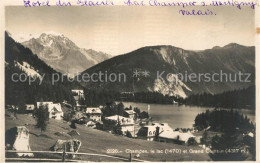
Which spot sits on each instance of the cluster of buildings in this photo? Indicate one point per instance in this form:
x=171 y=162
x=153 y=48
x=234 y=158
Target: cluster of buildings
x=94 y=114
x=162 y=132
x=126 y=123
x=92 y=117
x=54 y=109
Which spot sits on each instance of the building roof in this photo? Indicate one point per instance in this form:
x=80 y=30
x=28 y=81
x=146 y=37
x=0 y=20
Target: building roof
x=250 y=134
x=123 y=120
x=163 y=126
x=169 y=134
x=56 y=106
x=150 y=130
x=91 y=123
x=176 y=135
x=44 y=103
x=77 y=90
x=51 y=106
x=130 y=112
x=93 y=110
x=29 y=106
x=76 y=98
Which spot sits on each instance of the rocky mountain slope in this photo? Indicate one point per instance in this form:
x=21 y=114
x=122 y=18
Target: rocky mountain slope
x=159 y=61
x=62 y=54
x=35 y=82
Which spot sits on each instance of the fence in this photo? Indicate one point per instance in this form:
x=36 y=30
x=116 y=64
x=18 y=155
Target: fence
x=63 y=159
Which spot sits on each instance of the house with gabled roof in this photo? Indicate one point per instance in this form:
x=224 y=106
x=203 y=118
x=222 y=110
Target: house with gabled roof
x=29 y=107
x=54 y=109
x=130 y=113
x=94 y=113
x=127 y=124
x=175 y=137
x=148 y=132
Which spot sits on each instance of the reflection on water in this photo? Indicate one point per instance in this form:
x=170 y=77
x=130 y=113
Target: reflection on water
x=178 y=116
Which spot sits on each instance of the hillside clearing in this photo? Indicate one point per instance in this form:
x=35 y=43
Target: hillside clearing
x=96 y=141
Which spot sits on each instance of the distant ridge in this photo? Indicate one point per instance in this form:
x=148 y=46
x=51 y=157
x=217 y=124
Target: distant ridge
x=231 y=58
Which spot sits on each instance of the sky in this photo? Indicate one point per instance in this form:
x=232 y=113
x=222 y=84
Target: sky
x=121 y=29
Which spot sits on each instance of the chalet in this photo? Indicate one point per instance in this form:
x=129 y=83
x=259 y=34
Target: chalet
x=94 y=113
x=91 y=124
x=149 y=132
x=127 y=124
x=12 y=107
x=46 y=103
x=29 y=108
x=78 y=92
x=175 y=137
x=79 y=115
x=54 y=110
x=130 y=114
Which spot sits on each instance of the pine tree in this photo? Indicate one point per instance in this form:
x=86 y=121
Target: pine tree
x=42 y=117
x=118 y=128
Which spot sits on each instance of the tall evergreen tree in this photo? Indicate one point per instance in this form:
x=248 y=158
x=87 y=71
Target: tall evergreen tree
x=42 y=117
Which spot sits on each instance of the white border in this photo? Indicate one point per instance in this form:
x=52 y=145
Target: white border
x=4 y=3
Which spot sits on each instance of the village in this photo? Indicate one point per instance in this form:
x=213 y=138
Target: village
x=129 y=123
x=115 y=119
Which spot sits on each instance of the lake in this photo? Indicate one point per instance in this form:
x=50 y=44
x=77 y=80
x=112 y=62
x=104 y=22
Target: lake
x=178 y=116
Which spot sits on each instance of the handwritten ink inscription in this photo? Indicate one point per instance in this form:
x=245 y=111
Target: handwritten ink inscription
x=94 y=3
x=62 y=3
x=203 y=11
x=134 y=3
x=28 y=3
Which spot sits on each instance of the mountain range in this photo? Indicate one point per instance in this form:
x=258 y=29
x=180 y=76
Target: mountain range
x=20 y=60
x=231 y=59
x=62 y=54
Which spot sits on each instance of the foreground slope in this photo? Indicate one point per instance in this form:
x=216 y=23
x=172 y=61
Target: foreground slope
x=95 y=141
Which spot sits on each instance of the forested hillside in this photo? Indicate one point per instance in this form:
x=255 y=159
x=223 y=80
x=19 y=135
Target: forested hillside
x=242 y=98
x=21 y=60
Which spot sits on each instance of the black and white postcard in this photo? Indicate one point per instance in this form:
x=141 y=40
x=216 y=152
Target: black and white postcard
x=129 y=80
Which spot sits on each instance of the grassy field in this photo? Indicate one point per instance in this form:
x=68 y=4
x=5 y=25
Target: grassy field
x=96 y=141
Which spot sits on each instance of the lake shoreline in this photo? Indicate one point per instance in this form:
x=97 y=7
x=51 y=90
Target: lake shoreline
x=227 y=108
x=179 y=116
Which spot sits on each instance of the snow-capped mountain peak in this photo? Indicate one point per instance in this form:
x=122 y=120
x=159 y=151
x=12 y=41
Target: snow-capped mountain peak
x=22 y=37
x=62 y=54
x=55 y=39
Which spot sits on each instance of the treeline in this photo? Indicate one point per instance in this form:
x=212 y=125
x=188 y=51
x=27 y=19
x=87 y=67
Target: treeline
x=111 y=109
x=102 y=97
x=223 y=121
x=243 y=98
x=148 y=97
x=20 y=93
x=233 y=129
x=95 y=97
